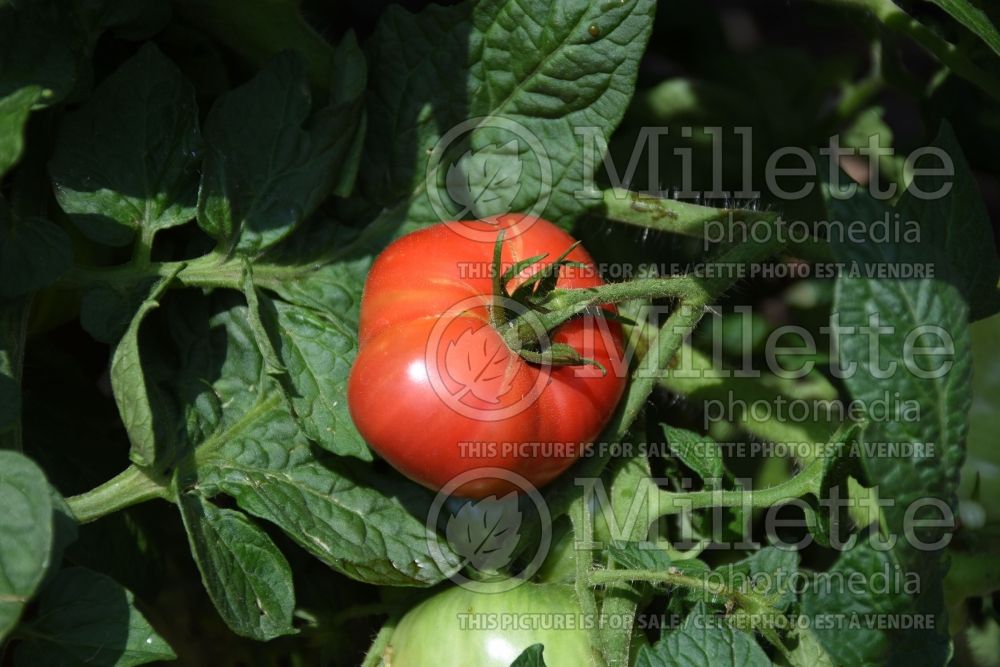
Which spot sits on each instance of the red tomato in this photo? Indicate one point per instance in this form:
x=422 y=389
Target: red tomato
x=436 y=391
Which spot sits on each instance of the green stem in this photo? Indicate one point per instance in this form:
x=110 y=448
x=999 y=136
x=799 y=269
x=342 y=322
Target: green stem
x=856 y=96
x=664 y=344
x=583 y=525
x=498 y=311
x=209 y=271
x=670 y=215
x=131 y=487
x=565 y=304
x=621 y=599
x=700 y=294
x=578 y=299
x=127 y=275
x=143 y=248
x=805 y=482
x=718 y=590
x=375 y=653
x=893 y=17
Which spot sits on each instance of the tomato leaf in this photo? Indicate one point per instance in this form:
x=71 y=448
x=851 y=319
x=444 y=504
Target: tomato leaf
x=323 y=266
x=827 y=521
x=485 y=180
x=243 y=441
x=973 y=18
x=808 y=652
x=36 y=51
x=128 y=159
x=494 y=63
x=14 y=111
x=329 y=508
x=44 y=50
x=26 y=534
x=333 y=290
x=912 y=475
x=704 y=640
x=700 y=453
x=248 y=579
x=317 y=352
x=87 y=618
x=33 y=253
x=259 y=328
x=107 y=310
x=138 y=401
x=769 y=573
x=266 y=168
x=860 y=643
x=639 y=555
x=959 y=225
x=347 y=109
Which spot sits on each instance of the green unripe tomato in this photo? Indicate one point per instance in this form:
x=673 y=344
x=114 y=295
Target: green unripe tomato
x=462 y=628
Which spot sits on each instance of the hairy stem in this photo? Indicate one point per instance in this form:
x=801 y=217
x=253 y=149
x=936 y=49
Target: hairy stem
x=130 y=487
x=583 y=525
x=712 y=587
x=671 y=215
x=212 y=271
x=664 y=344
x=376 y=652
x=700 y=294
x=805 y=482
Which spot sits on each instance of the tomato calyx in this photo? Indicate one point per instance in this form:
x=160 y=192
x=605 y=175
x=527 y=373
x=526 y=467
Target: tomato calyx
x=541 y=306
x=522 y=332
x=536 y=288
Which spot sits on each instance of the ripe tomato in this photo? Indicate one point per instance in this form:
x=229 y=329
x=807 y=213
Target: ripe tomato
x=461 y=628
x=435 y=389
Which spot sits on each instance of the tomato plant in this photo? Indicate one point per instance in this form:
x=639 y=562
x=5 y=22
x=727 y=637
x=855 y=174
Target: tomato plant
x=491 y=628
x=293 y=293
x=430 y=355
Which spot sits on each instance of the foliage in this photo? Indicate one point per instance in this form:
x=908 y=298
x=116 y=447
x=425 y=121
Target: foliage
x=190 y=201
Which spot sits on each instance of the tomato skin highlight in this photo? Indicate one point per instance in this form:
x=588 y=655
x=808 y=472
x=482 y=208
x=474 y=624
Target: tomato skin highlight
x=462 y=628
x=436 y=391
